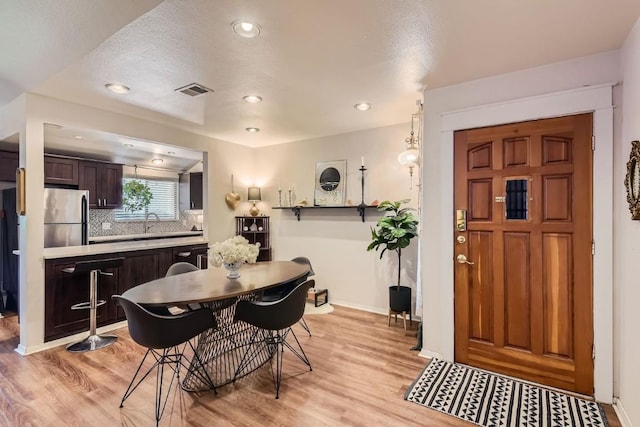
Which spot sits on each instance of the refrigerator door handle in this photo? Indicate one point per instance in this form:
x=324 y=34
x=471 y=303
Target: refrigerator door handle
x=85 y=221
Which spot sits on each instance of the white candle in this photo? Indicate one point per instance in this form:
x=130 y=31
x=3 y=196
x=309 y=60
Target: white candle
x=362 y=162
x=279 y=188
x=289 y=187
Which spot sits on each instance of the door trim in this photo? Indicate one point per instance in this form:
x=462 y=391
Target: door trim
x=596 y=99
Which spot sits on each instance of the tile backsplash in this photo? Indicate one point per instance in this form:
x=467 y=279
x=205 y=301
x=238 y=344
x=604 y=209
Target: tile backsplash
x=97 y=217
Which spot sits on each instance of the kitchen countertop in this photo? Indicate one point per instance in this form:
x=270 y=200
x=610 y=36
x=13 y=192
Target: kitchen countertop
x=105 y=248
x=145 y=236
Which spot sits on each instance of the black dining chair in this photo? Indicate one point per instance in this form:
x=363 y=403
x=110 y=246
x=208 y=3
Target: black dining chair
x=279 y=292
x=273 y=321
x=181 y=268
x=166 y=338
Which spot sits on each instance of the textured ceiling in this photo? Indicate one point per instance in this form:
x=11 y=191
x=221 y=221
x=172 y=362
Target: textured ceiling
x=313 y=61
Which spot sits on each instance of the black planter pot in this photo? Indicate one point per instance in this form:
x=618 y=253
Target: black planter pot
x=400 y=299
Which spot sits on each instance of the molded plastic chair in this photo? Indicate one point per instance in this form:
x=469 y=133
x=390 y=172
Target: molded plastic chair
x=165 y=338
x=181 y=268
x=281 y=291
x=273 y=321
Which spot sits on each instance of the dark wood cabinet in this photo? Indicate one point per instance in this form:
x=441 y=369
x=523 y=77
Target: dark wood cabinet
x=60 y=171
x=256 y=230
x=62 y=290
x=190 y=255
x=104 y=182
x=9 y=162
x=191 y=191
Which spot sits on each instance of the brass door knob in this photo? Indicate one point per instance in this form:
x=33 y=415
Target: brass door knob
x=462 y=259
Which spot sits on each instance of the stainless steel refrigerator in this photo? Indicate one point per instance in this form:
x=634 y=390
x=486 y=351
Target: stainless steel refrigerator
x=66 y=217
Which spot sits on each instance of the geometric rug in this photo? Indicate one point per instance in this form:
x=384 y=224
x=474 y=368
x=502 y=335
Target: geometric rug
x=492 y=400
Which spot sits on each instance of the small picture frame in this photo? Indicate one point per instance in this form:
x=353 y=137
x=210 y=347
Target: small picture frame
x=330 y=184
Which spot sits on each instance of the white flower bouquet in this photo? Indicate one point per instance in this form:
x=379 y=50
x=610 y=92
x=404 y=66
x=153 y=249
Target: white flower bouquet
x=233 y=250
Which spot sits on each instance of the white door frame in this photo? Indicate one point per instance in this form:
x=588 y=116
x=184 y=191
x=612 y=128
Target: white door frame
x=596 y=99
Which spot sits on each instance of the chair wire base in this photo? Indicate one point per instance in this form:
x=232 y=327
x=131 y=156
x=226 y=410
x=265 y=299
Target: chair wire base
x=175 y=359
x=276 y=341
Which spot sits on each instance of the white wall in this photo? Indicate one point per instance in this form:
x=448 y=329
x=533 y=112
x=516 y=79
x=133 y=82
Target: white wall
x=336 y=240
x=627 y=242
x=437 y=240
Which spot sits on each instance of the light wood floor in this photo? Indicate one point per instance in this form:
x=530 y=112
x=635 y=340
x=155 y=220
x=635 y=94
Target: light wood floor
x=361 y=370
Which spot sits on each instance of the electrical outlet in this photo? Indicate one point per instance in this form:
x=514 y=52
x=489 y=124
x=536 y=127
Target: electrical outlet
x=106 y=226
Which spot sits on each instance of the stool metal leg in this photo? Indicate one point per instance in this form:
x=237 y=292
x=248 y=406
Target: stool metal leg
x=93 y=341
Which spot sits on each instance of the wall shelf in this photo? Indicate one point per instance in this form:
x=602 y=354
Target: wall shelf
x=298 y=209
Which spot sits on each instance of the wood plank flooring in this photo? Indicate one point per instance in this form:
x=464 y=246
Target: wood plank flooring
x=361 y=370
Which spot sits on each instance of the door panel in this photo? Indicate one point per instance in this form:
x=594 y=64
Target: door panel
x=523 y=301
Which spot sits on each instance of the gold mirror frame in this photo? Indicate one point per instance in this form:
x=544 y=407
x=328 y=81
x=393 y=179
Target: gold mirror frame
x=632 y=180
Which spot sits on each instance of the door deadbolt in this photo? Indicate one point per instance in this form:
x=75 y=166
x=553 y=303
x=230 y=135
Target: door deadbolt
x=462 y=259
x=461 y=239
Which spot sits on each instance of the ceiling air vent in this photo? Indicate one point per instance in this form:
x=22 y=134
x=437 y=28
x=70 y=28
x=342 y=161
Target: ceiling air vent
x=194 y=89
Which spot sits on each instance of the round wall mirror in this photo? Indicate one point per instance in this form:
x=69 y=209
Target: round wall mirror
x=329 y=179
x=632 y=180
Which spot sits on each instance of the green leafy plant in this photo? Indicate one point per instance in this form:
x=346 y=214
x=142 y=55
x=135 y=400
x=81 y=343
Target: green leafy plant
x=136 y=195
x=395 y=230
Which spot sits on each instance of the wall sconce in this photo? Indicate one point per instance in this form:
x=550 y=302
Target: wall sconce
x=410 y=157
x=254 y=196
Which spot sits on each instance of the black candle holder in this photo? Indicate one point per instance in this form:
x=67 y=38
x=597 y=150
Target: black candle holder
x=362 y=205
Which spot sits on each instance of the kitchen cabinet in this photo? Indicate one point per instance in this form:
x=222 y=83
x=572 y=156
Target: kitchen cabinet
x=191 y=191
x=62 y=290
x=256 y=230
x=104 y=182
x=190 y=255
x=60 y=171
x=9 y=162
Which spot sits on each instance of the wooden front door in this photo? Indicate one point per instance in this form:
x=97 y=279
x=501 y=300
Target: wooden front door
x=523 y=297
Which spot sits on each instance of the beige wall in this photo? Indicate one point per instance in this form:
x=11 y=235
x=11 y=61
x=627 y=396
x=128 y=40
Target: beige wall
x=335 y=240
x=627 y=242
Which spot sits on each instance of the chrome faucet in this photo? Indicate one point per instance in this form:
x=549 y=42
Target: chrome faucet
x=146 y=219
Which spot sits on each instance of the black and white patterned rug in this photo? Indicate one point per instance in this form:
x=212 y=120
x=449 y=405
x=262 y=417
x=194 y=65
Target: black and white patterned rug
x=492 y=400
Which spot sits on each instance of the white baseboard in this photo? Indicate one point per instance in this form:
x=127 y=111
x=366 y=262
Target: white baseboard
x=377 y=310
x=430 y=354
x=24 y=351
x=621 y=413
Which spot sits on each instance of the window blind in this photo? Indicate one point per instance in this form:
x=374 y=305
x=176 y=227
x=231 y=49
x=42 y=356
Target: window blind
x=164 y=202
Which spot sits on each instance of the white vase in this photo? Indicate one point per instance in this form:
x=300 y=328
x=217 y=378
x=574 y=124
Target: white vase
x=233 y=268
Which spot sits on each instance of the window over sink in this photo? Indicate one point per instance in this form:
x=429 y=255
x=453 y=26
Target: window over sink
x=164 y=202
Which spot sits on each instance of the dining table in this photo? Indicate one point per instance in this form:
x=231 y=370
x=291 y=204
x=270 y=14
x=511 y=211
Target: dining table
x=221 y=349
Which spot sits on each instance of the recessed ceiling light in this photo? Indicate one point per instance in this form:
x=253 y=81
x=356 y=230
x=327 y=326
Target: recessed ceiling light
x=252 y=130
x=171 y=153
x=362 y=106
x=128 y=145
x=252 y=99
x=245 y=29
x=157 y=161
x=53 y=125
x=78 y=136
x=116 y=88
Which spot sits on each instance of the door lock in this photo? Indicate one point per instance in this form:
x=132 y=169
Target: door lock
x=462 y=259
x=461 y=220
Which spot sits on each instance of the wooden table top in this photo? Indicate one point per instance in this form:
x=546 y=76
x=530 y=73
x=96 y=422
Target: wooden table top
x=212 y=284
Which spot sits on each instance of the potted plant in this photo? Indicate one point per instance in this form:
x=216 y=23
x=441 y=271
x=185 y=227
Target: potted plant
x=394 y=232
x=136 y=195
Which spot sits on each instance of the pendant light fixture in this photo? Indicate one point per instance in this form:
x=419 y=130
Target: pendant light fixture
x=410 y=157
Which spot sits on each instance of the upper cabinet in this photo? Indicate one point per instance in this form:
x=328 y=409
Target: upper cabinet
x=104 y=182
x=9 y=162
x=60 y=170
x=191 y=191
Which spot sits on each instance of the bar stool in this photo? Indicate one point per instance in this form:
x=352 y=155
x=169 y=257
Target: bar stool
x=93 y=341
